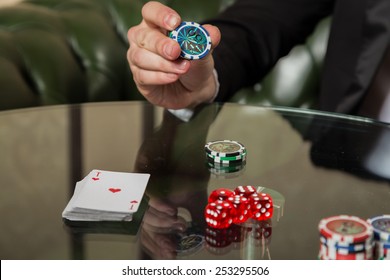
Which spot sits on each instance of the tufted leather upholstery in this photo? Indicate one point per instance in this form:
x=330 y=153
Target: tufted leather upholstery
x=74 y=51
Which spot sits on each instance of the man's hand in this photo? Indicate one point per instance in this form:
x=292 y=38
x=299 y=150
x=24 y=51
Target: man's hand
x=160 y=75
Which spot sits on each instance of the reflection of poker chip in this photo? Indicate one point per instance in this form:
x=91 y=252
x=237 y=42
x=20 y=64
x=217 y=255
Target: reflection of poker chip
x=217 y=174
x=225 y=168
x=225 y=148
x=189 y=243
x=225 y=171
x=193 y=39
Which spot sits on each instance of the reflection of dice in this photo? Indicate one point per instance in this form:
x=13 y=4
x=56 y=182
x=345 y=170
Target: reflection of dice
x=262 y=230
x=236 y=234
x=258 y=240
x=261 y=206
x=220 y=194
x=217 y=240
x=221 y=241
x=242 y=206
x=245 y=191
x=220 y=214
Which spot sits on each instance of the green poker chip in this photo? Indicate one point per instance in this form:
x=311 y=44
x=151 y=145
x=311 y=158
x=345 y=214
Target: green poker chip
x=225 y=148
x=219 y=159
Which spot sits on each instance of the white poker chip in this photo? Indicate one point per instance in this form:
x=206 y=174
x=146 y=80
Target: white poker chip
x=194 y=40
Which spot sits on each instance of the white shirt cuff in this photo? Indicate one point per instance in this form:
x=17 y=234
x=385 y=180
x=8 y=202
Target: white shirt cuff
x=217 y=85
x=183 y=114
x=186 y=114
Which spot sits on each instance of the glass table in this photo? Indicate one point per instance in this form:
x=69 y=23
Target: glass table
x=313 y=164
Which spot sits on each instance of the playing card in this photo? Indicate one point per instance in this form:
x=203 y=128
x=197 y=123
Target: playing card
x=69 y=207
x=112 y=191
x=106 y=195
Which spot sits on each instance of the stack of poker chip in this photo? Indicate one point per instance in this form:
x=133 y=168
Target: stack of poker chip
x=345 y=238
x=381 y=227
x=225 y=157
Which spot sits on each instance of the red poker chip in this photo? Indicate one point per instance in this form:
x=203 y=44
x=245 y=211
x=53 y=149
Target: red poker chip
x=328 y=253
x=351 y=247
x=345 y=228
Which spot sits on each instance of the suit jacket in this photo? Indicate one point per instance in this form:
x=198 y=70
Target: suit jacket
x=256 y=33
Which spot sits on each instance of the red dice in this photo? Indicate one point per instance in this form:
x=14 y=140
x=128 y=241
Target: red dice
x=226 y=207
x=220 y=214
x=245 y=191
x=220 y=194
x=242 y=206
x=261 y=206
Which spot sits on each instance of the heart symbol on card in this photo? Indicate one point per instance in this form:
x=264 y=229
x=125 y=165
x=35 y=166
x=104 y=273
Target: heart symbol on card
x=114 y=190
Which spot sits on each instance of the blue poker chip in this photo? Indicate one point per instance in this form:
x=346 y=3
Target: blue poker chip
x=194 y=40
x=381 y=225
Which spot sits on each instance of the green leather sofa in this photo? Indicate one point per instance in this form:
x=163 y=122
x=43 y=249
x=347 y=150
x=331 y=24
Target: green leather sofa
x=74 y=51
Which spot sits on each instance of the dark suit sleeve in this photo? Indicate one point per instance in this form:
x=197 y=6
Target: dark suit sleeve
x=256 y=33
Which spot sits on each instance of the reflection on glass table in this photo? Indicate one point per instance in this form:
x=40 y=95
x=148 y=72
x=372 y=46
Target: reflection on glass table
x=313 y=164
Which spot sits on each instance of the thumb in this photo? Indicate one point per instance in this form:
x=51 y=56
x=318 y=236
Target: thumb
x=215 y=35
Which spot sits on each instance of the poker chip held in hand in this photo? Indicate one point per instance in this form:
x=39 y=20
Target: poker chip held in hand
x=227 y=207
x=194 y=40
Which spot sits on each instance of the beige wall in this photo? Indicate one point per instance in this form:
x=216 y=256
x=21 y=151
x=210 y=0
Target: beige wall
x=8 y=2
